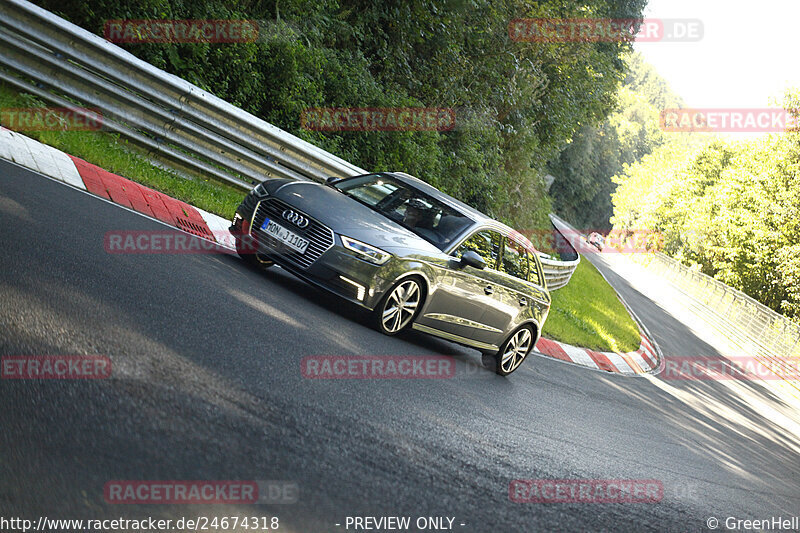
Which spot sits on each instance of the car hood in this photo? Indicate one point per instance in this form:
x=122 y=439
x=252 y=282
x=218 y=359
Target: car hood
x=347 y=216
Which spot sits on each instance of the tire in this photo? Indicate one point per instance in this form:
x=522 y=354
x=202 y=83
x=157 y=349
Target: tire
x=251 y=257
x=405 y=298
x=512 y=353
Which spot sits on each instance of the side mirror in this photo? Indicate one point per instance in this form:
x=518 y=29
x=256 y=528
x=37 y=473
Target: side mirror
x=471 y=258
x=332 y=180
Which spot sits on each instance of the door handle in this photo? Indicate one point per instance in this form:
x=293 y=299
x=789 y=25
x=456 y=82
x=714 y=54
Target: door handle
x=523 y=302
x=488 y=289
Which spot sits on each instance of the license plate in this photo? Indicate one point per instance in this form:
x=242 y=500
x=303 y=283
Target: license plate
x=284 y=236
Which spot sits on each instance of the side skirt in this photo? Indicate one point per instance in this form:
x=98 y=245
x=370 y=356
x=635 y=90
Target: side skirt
x=455 y=338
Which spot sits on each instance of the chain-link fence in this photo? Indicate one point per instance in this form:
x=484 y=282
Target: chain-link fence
x=749 y=325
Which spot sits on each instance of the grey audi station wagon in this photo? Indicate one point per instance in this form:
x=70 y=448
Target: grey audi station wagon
x=412 y=255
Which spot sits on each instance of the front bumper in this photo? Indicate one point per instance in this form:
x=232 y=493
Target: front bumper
x=337 y=269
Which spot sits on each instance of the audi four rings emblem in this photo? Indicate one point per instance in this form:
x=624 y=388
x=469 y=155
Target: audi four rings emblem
x=295 y=218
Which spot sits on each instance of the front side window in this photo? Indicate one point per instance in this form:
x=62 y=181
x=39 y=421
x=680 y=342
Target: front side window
x=485 y=243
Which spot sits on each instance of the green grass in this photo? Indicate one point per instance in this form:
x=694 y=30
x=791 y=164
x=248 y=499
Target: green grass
x=109 y=151
x=587 y=313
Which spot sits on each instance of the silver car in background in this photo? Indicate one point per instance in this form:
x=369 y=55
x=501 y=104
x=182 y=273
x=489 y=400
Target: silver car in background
x=412 y=255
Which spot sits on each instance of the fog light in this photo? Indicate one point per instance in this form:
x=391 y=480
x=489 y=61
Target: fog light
x=359 y=288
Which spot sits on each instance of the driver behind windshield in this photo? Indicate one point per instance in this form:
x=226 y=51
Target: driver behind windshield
x=415 y=213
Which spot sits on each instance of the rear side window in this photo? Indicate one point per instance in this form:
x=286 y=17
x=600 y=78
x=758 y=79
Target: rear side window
x=515 y=260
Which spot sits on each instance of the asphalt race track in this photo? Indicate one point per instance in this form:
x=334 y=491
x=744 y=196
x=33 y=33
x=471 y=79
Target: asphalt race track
x=206 y=385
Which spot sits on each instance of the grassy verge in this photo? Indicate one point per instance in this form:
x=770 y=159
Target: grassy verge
x=587 y=313
x=109 y=151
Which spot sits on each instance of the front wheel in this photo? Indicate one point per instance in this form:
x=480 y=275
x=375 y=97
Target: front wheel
x=397 y=309
x=512 y=353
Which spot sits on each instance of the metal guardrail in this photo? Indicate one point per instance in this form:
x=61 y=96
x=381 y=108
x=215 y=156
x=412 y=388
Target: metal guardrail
x=559 y=272
x=176 y=122
x=751 y=326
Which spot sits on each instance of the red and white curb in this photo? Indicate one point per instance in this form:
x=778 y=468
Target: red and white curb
x=78 y=173
x=645 y=360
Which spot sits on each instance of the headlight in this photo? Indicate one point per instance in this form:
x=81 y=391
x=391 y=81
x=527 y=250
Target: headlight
x=260 y=190
x=365 y=251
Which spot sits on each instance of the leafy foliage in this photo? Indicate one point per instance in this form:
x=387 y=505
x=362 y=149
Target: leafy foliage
x=517 y=104
x=730 y=209
x=583 y=170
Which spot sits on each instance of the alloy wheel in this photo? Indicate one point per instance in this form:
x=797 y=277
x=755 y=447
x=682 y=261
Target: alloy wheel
x=516 y=349
x=400 y=306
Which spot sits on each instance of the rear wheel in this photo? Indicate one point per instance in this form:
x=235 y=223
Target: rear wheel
x=512 y=353
x=397 y=310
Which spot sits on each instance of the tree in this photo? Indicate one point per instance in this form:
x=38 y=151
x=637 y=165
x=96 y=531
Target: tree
x=584 y=168
x=517 y=103
x=729 y=209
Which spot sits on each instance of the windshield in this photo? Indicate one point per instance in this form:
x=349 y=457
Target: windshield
x=426 y=216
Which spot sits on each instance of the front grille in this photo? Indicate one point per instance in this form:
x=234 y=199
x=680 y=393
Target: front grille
x=319 y=236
